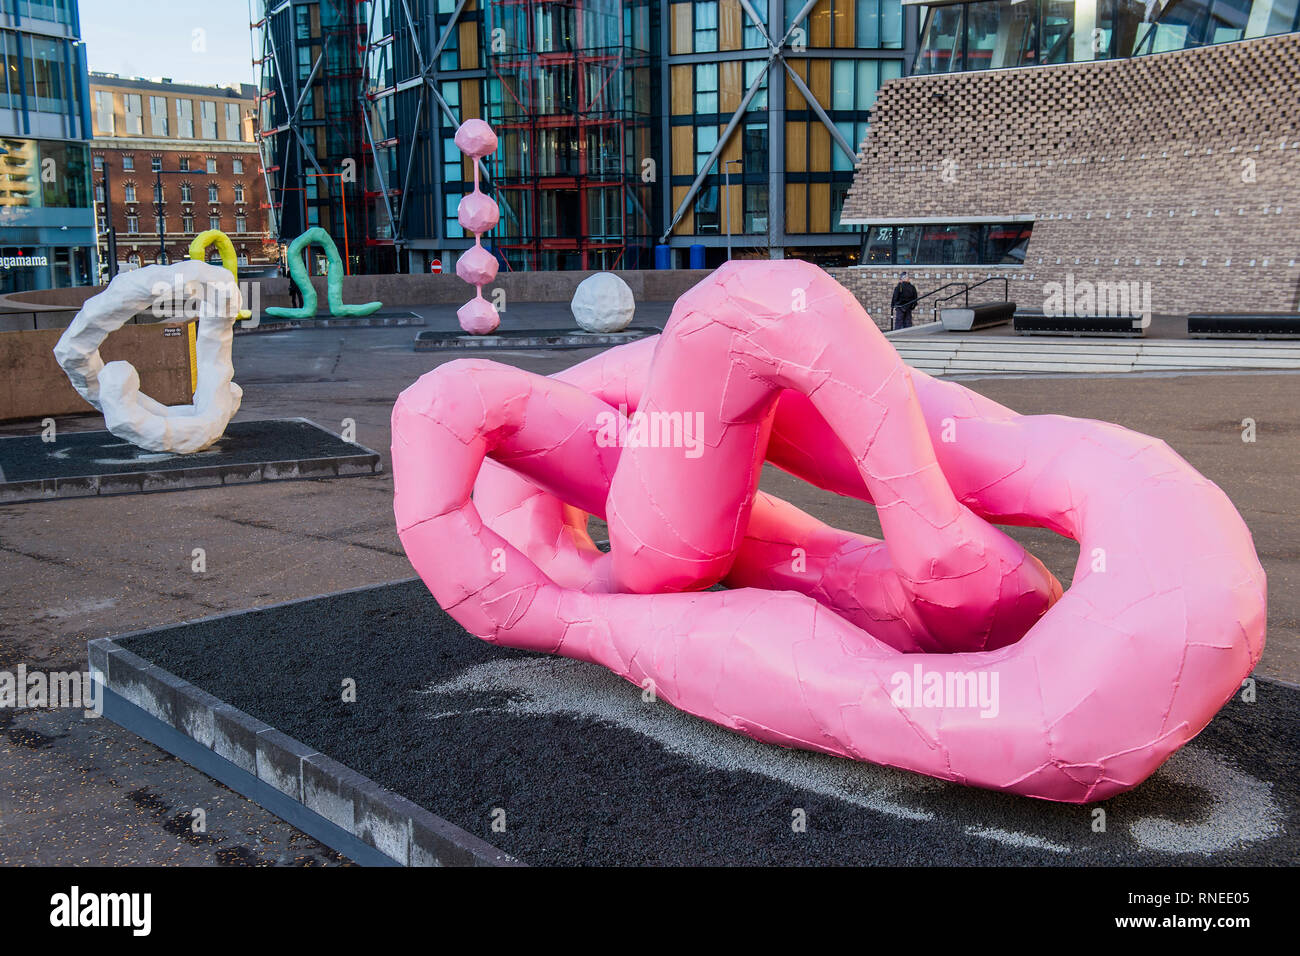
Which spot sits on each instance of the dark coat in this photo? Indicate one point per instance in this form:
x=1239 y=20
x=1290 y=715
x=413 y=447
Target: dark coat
x=904 y=297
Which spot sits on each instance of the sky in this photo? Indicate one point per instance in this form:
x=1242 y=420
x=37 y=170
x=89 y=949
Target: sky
x=190 y=41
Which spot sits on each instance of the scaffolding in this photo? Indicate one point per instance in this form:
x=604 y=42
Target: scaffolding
x=570 y=97
x=310 y=128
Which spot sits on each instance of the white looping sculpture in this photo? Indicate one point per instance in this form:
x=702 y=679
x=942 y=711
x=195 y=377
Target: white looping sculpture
x=114 y=388
x=603 y=303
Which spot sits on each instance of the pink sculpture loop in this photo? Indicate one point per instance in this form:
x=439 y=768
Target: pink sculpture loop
x=1092 y=689
x=478 y=214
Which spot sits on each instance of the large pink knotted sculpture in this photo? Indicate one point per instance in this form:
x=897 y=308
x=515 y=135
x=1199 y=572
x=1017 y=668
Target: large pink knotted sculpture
x=826 y=640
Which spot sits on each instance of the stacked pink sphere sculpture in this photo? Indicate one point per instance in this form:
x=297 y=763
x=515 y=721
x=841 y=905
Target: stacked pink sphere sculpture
x=478 y=214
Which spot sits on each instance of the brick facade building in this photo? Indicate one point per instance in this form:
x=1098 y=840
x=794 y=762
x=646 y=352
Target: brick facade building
x=1178 y=169
x=199 y=141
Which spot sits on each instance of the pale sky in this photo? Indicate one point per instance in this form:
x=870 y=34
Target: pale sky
x=153 y=38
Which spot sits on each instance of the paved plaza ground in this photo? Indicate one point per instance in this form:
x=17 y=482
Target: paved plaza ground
x=85 y=791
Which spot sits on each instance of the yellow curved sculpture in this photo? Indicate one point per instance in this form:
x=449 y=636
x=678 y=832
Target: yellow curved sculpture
x=226 y=248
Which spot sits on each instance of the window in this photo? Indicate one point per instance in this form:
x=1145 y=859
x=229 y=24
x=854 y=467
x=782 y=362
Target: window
x=128 y=162
x=102 y=223
x=214 y=222
x=755 y=208
x=48 y=66
x=706 y=137
x=133 y=224
x=160 y=224
x=185 y=110
x=155 y=163
x=157 y=192
x=208 y=113
x=232 y=121
x=187 y=224
x=134 y=259
x=183 y=164
x=996 y=34
x=302 y=22
x=158 y=115
x=941 y=46
x=99 y=164
x=707 y=219
x=753 y=36
x=130 y=192
x=706 y=28
x=212 y=192
x=104 y=112
x=604 y=220
x=212 y=165
x=879 y=24
x=1004 y=34
x=133 y=112
x=706 y=88
x=241 y=224
x=753 y=68
x=187 y=192
x=99 y=192
x=754 y=148
x=958 y=244
x=239 y=192
x=1193 y=23
x=237 y=167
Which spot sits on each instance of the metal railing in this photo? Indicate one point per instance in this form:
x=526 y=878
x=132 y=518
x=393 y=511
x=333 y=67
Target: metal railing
x=963 y=291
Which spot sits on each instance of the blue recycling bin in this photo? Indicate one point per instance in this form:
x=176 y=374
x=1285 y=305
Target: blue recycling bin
x=663 y=257
x=697 y=256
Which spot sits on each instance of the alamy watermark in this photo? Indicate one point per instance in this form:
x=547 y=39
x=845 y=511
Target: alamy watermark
x=1120 y=299
x=947 y=689
x=22 y=689
x=653 y=429
x=181 y=299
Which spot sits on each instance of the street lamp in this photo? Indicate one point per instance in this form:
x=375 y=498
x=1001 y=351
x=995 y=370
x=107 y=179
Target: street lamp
x=726 y=177
x=110 y=246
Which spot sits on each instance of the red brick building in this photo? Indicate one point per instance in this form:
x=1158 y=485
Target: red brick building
x=185 y=153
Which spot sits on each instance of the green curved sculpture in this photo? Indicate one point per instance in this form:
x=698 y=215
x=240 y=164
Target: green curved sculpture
x=333 y=280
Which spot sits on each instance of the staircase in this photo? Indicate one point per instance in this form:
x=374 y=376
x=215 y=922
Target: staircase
x=943 y=353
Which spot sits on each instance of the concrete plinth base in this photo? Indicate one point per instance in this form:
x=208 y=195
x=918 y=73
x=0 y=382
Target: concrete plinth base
x=435 y=341
x=451 y=743
x=80 y=464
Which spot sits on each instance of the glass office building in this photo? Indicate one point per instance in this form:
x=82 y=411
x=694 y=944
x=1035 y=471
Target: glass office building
x=620 y=122
x=766 y=108
x=569 y=93
x=47 y=231
x=998 y=34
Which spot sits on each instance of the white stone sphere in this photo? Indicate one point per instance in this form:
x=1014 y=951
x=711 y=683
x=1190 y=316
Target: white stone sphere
x=603 y=303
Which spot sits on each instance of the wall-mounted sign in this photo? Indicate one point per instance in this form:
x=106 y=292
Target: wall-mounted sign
x=18 y=262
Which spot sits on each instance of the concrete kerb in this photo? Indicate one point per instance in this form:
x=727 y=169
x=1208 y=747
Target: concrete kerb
x=325 y=799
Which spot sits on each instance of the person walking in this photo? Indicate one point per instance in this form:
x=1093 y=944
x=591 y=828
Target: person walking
x=903 y=302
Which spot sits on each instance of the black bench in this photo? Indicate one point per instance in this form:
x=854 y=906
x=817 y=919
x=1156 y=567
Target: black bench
x=982 y=315
x=1244 y=325
x=1035 y=323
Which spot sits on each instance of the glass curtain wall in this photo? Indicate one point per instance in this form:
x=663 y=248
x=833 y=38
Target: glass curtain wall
x=570 y=97
x=997 y=34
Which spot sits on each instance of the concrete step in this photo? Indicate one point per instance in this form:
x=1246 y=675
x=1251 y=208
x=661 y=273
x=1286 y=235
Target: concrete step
x=1220 y=361
x=1012 y=366
x=993 y=354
